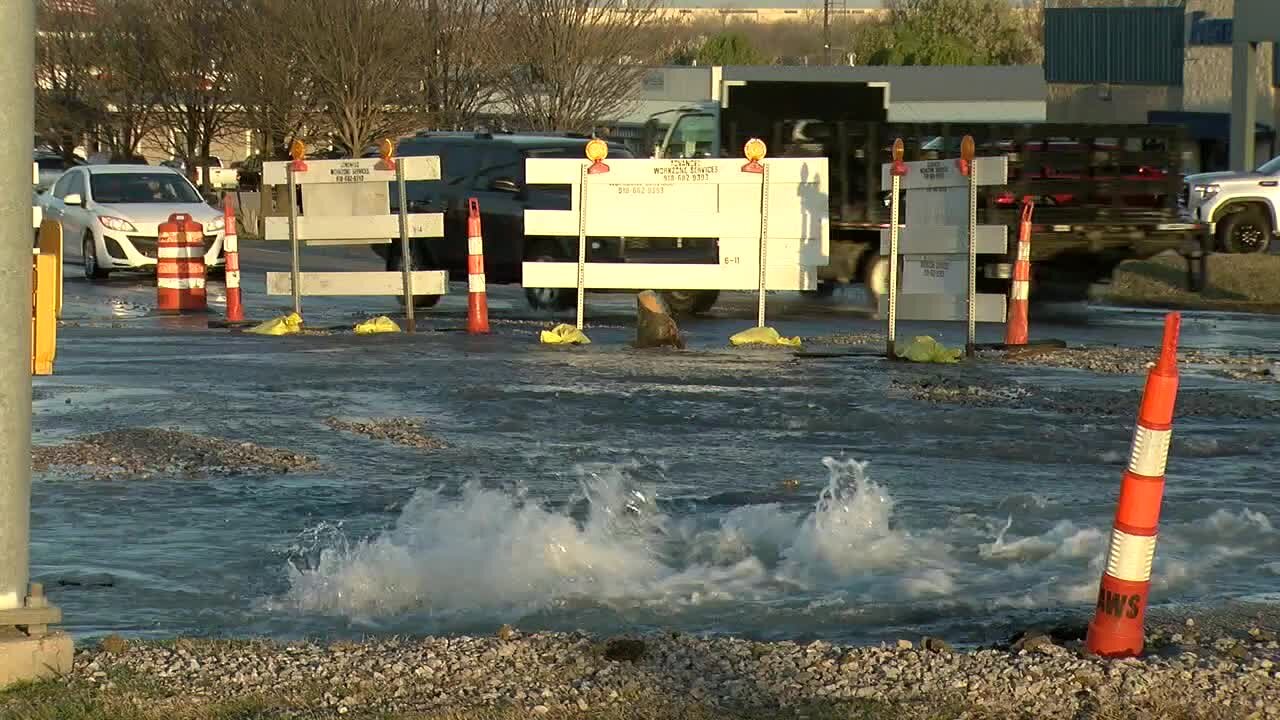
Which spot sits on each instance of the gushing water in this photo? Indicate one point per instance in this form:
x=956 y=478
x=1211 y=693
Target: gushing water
x=493 y=555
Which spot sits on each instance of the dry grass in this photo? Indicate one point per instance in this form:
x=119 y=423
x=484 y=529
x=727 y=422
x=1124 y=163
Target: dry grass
x=1236 y=282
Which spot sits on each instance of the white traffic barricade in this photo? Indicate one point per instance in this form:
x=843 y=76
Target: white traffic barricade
x=719 y=199
x=346 y=202
x=932 y=253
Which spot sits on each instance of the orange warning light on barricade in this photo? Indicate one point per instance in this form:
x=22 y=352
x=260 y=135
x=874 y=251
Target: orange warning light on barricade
x=899 y=151
x=386 y=149
x=967 y=152
x=754 y=150
x=298 y=151
x=597 y=151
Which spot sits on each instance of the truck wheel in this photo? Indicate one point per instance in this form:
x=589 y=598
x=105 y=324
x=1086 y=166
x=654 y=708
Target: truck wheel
x=690 y=302
x=552 y=299
x=875 y=277
x=1247 y=231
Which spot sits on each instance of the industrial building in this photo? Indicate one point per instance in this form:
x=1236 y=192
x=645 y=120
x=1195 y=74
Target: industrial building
x=1170 y=63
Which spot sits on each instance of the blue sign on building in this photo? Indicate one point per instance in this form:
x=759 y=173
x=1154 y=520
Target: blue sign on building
x=1210 y=32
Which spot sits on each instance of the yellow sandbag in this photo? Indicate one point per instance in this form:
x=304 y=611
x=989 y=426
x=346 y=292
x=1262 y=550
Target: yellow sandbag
x=763 y=336
x=563 y=334
x=925 y=349
x=380 y=324
x=283 y=325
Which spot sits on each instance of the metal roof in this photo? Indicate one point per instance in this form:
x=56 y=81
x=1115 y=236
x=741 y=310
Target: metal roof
x=917 y=83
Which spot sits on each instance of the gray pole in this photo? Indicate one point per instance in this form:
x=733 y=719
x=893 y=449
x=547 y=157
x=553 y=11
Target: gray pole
x=17 y=122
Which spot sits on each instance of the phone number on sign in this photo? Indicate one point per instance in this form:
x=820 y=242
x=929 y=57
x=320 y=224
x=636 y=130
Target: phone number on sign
x=640 y=189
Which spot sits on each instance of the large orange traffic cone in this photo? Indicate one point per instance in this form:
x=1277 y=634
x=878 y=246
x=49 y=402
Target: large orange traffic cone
x=477 y=298
x=1117 y=627
x=1020 y=291
x=231 y=256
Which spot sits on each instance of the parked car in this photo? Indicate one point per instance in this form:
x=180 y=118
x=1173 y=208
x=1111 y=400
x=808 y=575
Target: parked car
x=51 y=166
x=114 y=211
x=490 y=168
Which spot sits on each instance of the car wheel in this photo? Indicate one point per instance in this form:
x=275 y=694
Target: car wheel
x=1247 y=231
x=690 y=302
x=553 y=299
x=92 y=271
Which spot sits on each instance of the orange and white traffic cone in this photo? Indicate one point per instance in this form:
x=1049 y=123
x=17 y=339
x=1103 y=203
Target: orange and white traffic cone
x=180 y=266
x=1020 y=292
x=477 y=299
x=1117 y=626
x=231 y=255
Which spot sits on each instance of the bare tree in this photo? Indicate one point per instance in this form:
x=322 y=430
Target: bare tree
x=463 y=67
x=362 y=60
x=269 y=83
x=131 y=90
x=192 y=63
x=577 y=62
x=68 y=93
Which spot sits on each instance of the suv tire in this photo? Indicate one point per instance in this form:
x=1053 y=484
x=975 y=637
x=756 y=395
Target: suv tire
x=1247 y=231
x=552 y=299
x=420 y=302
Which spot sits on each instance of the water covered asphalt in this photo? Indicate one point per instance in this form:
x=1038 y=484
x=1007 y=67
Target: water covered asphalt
x=602 y=488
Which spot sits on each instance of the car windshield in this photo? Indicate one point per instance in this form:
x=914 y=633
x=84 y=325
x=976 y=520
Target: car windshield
x=141 y=188
x=1271 y=167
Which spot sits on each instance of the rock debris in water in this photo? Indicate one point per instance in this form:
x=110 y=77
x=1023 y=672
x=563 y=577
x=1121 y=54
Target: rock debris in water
x=401 y=431
x=148 y=452
x=1134 y=361
x=574 y=675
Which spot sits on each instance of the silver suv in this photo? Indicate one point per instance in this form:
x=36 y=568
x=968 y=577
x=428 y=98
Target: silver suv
x=1240 y=207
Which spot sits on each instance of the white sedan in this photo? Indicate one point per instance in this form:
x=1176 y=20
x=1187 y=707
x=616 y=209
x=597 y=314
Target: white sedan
x=114 y=213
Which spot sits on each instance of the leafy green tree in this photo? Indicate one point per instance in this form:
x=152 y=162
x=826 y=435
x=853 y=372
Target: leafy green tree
x=957 y=32
x=729 y=48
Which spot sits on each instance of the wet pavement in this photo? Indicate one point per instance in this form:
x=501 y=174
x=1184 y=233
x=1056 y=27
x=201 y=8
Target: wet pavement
x=604 y=488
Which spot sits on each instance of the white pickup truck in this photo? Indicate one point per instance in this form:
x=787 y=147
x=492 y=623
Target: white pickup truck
x=1240 y=207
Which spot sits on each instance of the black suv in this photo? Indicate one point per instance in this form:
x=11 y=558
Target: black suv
x=490 y=168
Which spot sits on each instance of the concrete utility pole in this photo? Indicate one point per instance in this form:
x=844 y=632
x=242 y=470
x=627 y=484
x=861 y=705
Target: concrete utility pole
x=27 y=649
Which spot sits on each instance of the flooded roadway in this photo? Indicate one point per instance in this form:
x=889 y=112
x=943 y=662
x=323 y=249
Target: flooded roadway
x=716 y=490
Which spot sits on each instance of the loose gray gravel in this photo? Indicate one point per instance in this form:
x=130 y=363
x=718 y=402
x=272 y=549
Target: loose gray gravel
x=1133 y=361
x=575 y=674
x=150 y=452
x=401 y=431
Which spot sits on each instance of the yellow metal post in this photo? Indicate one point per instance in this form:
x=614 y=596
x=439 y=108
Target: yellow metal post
x=44 y=322
x=51 y=242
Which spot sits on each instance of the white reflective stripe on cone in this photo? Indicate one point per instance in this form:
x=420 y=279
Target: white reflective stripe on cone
x=1021 y=290
x=179 y=252
x=1024 y=252
x=233 y=278
x=475 y=246
x=180 y=283
x=230 y=244
x=475 y=283
x=1129 y=557
x=1150 y=452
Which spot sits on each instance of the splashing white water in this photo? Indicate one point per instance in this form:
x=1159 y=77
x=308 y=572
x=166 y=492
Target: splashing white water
x=491 y=554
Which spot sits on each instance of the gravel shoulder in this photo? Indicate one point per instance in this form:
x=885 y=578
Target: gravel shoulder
x=1186 y=675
